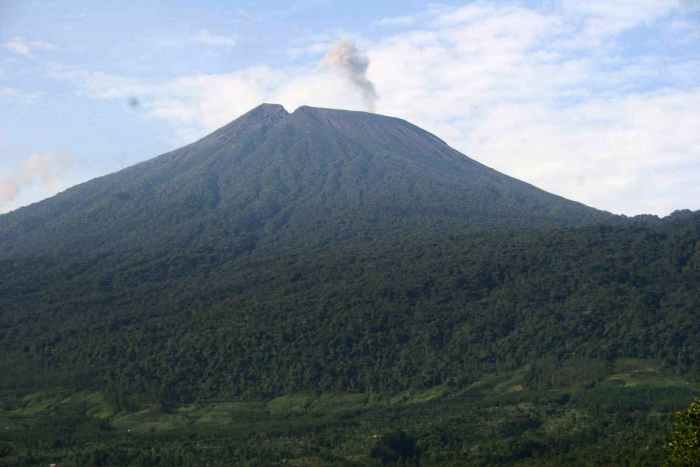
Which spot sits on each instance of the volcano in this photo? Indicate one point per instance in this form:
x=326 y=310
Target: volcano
x=324 y=250
x=271 y=179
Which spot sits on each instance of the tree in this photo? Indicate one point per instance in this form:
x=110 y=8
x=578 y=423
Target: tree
x=684 y=448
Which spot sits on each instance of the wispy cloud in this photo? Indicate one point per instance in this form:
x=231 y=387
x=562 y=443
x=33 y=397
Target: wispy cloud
x=41 y=173
x=206 y=38
x=8 y=92
x=98 y=84
x=201 y=103
x=26 y=48
x=192 y=104
x=395 y=21
x=15 y=93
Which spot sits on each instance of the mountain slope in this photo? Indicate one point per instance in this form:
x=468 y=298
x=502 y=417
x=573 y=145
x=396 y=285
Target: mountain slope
x=328 y=250
x=271 y=179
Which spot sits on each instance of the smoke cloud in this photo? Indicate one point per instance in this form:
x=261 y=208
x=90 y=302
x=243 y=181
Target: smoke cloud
x=347 y=60
x=40 y=171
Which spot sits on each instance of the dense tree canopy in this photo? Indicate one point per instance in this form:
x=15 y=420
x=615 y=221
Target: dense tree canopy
x=372 y=315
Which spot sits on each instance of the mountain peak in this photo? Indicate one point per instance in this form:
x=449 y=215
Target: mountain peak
x=269 y=108
x=307 y=109
x=265 y=111
x=263 y=116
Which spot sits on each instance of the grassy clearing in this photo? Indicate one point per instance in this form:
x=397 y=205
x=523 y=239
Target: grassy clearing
x=634 y=372
x=92 y=404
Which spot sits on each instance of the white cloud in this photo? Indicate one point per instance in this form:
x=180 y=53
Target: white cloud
x=26 y=48
x=39 y=176
x=618 y=154
x=206 y=38
x=599 y=21
x=541 y=94
x=201 y=103
x=501 y=83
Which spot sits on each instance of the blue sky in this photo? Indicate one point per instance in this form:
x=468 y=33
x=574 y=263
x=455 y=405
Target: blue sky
x=596 y=101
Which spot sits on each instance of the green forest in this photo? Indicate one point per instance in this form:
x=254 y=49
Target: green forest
x=558 y=346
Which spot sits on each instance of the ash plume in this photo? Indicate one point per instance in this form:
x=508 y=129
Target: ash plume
x=346 y=59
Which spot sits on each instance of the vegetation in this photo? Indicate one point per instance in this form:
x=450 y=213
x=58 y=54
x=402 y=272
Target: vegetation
x=684 y=448
x=618 y=418
x=412 y=313
x=498 y=349
x=334 y=288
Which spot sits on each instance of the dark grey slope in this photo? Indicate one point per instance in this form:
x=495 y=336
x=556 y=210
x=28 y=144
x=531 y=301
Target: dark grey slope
x=270 y=178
